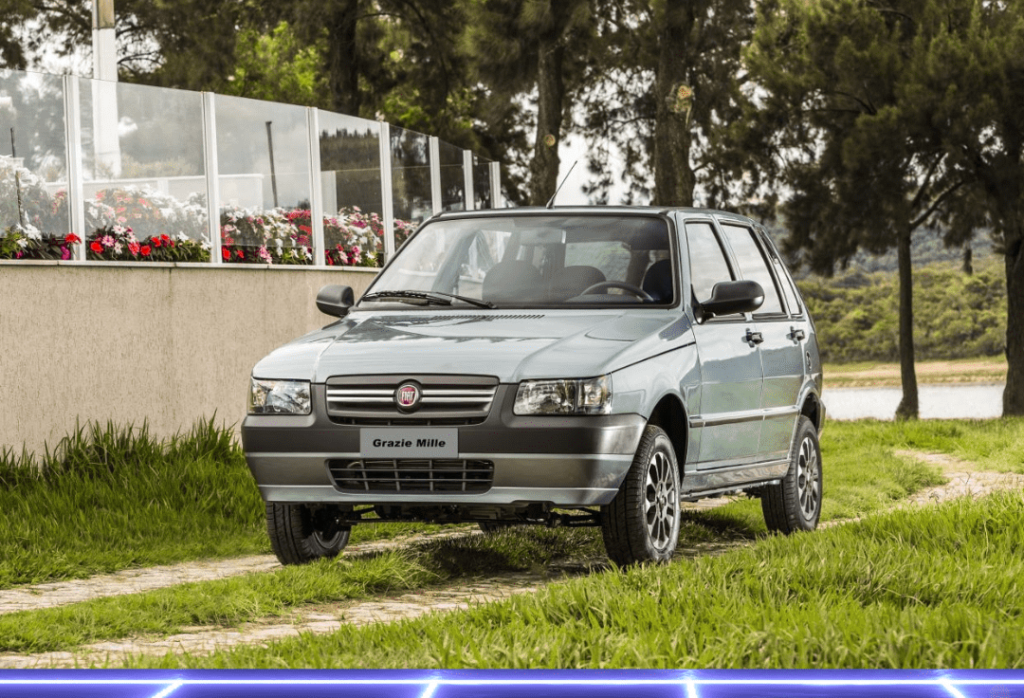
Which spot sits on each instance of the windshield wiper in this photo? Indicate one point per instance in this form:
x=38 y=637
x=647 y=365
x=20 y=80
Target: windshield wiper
x=428 y=296
x=464 y=299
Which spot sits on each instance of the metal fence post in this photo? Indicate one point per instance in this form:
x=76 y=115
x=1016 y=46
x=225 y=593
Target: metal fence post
x=212 y=176
x=316 y=194
x=73 y=143
x=496 y=201
x=387 y=192
x=435 y=175
x=467 y=172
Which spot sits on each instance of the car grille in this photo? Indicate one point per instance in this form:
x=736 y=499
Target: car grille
x=412 y=476
x=445 y=401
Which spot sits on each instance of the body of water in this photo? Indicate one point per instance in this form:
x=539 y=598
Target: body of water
x=968 y=401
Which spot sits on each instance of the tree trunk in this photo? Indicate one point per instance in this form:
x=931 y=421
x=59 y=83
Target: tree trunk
x=342 y=56
x=673 y=174
x=1013 y=395
x=550 y=94
x=907 y=408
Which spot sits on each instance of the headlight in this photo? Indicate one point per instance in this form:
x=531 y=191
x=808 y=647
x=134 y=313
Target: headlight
x=587 y=396
x=278 y=397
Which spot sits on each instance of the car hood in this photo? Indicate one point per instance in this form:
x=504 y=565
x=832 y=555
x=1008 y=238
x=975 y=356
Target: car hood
x=511 y=346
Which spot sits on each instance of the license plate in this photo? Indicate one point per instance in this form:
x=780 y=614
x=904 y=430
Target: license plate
x=409 y=443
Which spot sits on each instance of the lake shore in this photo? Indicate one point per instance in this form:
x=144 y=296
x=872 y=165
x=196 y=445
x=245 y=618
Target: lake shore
x=990 y=369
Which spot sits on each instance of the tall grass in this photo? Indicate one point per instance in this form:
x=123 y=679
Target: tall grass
x=112 y=496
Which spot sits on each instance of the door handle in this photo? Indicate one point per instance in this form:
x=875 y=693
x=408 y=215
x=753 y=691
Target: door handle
x=796 y=334
x=754 y=337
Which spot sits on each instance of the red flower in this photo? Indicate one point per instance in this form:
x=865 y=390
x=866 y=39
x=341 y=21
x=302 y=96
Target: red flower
x=144 y=250
x=241 y=255
x=305 y=229
x=96 y=247
x=226 y=253
x=133 y=247
x=71 y=239
x=156 y=241
x=165 y=239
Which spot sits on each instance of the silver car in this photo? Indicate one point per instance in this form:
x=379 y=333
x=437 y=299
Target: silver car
x=560 y=366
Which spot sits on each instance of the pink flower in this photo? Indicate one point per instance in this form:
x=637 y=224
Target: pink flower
x=107 y=241
x=264 y=255
x=65 y=253
x=133 y=247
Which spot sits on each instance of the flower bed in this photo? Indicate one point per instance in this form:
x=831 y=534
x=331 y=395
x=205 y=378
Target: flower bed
x=141 y=224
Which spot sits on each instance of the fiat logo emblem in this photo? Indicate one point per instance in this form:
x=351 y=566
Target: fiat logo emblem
x=407 y=396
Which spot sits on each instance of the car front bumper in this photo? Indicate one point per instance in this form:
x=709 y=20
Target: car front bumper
x=560 y=461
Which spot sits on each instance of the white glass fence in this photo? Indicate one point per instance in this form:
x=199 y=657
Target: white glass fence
x=106 y=171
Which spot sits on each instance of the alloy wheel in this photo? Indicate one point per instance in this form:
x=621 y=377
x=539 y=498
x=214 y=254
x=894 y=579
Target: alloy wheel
x=661 y=501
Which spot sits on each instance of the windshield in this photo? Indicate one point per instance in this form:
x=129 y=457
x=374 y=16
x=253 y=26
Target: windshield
x=532 y=261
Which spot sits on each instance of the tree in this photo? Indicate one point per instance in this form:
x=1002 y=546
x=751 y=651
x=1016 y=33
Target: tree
x=970 y=76
x=841 y=124
x=666 y=87
x=518 y=46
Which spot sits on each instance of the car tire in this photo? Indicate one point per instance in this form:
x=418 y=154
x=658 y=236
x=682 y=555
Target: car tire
x=642 y=523
x=795 y=503
x=297 y=538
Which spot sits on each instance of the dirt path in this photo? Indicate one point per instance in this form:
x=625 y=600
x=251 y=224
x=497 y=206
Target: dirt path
x=133 y=581
x=328 y=618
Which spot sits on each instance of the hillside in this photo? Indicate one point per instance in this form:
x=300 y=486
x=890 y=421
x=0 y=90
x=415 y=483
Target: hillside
x=955 y=315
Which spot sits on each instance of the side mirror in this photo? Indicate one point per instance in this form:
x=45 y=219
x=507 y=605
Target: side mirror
x=728 y=297
x=335 y=300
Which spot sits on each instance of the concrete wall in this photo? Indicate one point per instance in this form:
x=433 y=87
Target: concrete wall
x=127 y=342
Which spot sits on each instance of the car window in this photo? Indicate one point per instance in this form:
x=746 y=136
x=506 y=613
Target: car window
x=708 y=265
x=753 y=266
x=788 y=290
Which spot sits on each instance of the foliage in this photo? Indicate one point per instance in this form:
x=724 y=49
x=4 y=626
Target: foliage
x=110 y=497
x=648 y=54
x=958 y=316
x=276 y=66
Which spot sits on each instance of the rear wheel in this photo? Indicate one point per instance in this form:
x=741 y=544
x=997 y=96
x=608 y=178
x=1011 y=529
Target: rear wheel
x=795 y=503
x=300 y=534
x=642 y=523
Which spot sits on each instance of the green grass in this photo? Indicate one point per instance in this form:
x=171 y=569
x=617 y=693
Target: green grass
x=862 y=476
x=937 y=587
x=860 y=473
x=113 y=497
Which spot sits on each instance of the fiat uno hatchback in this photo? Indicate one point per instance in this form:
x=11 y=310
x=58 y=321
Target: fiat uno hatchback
x=566 y=366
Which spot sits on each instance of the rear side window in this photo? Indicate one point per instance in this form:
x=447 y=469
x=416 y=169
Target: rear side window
x=707 y=260
x=785 y=281
x=753 y=266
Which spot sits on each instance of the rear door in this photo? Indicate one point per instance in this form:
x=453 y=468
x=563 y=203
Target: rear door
x=781 y=337
x=730 y=415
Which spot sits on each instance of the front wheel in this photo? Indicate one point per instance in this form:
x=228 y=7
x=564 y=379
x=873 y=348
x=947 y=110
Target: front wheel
x=642 y=523
x=795 y=503
x=300 y=534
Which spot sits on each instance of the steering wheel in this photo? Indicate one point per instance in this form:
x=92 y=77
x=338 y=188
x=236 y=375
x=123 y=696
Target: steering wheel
x=629 y=288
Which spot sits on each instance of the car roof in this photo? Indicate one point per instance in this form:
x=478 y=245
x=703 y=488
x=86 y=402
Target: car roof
x=589 y=210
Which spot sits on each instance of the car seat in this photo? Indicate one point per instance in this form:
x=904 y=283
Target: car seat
x=658 y=281
x=511 y=280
